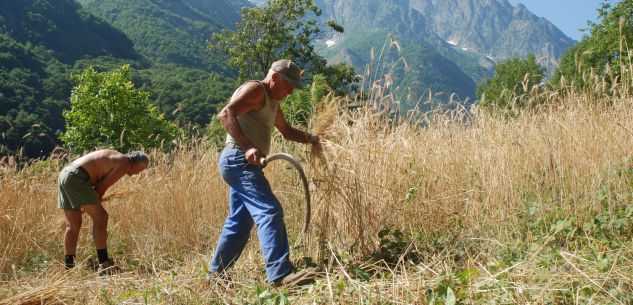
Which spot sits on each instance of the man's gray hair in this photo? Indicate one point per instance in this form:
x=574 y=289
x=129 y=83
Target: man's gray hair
x=138 y=156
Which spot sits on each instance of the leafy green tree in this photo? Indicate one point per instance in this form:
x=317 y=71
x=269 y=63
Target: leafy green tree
x=513 y=78
x=605 y=50
x=279 y=29
x=106 y=111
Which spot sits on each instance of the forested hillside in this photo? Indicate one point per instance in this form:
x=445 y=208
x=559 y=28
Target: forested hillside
x=172 y=31
x=43 y=42
x=65 y=28
x=39 y=43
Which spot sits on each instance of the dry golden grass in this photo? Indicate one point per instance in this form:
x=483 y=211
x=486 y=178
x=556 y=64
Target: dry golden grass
x=463 y=190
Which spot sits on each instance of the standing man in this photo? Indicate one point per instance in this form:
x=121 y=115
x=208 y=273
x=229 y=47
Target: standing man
x=248 y=119
x=81 y=187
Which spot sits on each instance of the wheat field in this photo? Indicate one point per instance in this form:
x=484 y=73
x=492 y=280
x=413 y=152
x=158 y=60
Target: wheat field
x=450 y=207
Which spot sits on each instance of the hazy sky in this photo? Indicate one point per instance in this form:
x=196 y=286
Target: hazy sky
x=567 y=15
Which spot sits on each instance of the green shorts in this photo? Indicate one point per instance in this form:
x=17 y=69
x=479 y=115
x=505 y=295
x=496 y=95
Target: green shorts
x=75 y=189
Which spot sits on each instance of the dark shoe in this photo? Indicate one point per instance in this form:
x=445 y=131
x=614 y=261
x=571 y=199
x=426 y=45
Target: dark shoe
x=109 y=268
x=298 y=278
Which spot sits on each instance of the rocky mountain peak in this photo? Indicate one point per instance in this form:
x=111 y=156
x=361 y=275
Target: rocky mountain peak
x=492 y=28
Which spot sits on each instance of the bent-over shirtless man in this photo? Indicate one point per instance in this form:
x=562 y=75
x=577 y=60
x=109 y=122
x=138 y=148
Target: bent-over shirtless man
x=82 y=185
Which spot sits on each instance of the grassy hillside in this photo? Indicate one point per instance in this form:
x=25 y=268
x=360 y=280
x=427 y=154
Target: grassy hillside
x=534 y=209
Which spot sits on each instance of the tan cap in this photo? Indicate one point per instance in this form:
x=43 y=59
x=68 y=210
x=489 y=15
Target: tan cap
x=289 y=71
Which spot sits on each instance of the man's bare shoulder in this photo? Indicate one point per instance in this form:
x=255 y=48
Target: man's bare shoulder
x=104 y=154
x=101 y=156
x=252 y=92
x=253 y=87
x=249 y=98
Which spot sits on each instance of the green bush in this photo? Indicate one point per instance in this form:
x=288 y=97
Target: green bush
x=106 y=111
x=513 y=78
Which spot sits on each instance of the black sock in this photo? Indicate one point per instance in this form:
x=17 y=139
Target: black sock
x=102 y=255
x=70 y=261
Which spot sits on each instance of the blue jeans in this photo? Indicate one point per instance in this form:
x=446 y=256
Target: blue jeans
x=251 y=200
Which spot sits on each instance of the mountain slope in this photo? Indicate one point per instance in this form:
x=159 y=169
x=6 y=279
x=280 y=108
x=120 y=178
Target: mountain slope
x=172 y=31
x=495 y=28
x=39 y=42
x=43 y=42
x=472 y=35
x=63 y=27
x=431 y=63
x=409 y=63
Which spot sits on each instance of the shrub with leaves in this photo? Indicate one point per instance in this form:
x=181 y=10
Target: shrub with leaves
x=513 y=78
x=106 y=111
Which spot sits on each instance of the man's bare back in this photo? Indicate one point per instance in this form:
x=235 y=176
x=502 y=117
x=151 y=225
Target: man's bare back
x=105 y=167
x=99 y=163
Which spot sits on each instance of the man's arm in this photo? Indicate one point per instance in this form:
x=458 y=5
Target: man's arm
x=291 y=133
x=121 y=168
x=249 y=98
